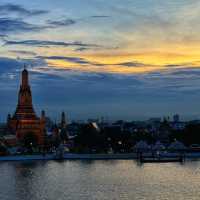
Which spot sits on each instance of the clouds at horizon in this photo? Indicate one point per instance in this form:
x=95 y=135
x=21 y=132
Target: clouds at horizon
x=99 y=90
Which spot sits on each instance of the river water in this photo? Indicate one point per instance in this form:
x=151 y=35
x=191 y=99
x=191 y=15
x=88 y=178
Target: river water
x=99 y=180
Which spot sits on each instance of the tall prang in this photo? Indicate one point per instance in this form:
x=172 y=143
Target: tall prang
x=24 y=108
x=25 y=123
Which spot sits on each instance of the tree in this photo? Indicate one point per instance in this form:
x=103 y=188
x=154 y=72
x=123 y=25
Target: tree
x=90 y=138
x=30 y=141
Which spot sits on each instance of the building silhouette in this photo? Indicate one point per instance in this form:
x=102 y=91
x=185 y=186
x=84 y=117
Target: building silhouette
x=63 y=123
x=25 y=123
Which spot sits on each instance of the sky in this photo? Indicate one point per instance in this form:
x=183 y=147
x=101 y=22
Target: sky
x=90 y=58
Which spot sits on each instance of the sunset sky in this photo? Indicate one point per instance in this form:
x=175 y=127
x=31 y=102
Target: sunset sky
x=130 y=59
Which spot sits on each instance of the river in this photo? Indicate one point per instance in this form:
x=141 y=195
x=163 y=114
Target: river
x=99 y=180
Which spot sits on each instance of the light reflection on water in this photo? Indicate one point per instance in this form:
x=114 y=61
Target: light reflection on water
x=99 y=180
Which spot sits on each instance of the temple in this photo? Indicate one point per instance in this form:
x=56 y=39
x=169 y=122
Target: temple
x=25 y=123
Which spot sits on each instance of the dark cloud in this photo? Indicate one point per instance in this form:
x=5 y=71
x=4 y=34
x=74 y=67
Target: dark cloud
x=3 y=36
x=100 y=16
x=131 y=64
x=8 y=65
x=77 y=60
x=9 y=25
x=184 y=65
x=81 y=49
x=60 y=23
x=48 y=43
x=18 y=9
x=187 y=73
x=21 y=52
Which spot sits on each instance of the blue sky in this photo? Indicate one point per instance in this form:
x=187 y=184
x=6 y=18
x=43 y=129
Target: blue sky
x=91 y=58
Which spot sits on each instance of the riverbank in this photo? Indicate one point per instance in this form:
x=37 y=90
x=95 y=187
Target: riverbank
x=72 y=156
x=68 y=156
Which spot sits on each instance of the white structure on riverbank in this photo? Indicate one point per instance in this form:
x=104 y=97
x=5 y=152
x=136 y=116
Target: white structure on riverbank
x=176 y=145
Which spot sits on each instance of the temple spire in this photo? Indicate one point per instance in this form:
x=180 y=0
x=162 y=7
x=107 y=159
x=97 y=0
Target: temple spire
x=25 y=77
x=24 y=106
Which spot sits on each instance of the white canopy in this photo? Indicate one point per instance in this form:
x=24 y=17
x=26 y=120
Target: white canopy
x=177 y=146
x=158 y=146
x=141 y=145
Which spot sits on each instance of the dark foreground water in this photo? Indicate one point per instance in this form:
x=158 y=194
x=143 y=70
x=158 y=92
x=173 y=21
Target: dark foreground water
x=99 y=180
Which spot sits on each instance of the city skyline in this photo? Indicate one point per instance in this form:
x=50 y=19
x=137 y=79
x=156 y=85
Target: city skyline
x=130 y=60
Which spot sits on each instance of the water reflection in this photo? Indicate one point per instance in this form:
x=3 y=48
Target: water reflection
x=109 y=179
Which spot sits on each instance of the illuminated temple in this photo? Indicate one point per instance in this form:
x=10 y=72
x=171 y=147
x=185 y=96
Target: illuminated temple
x=25 y=123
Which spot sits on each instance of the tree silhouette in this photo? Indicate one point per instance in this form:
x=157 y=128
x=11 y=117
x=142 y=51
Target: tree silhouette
x=30 y=141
